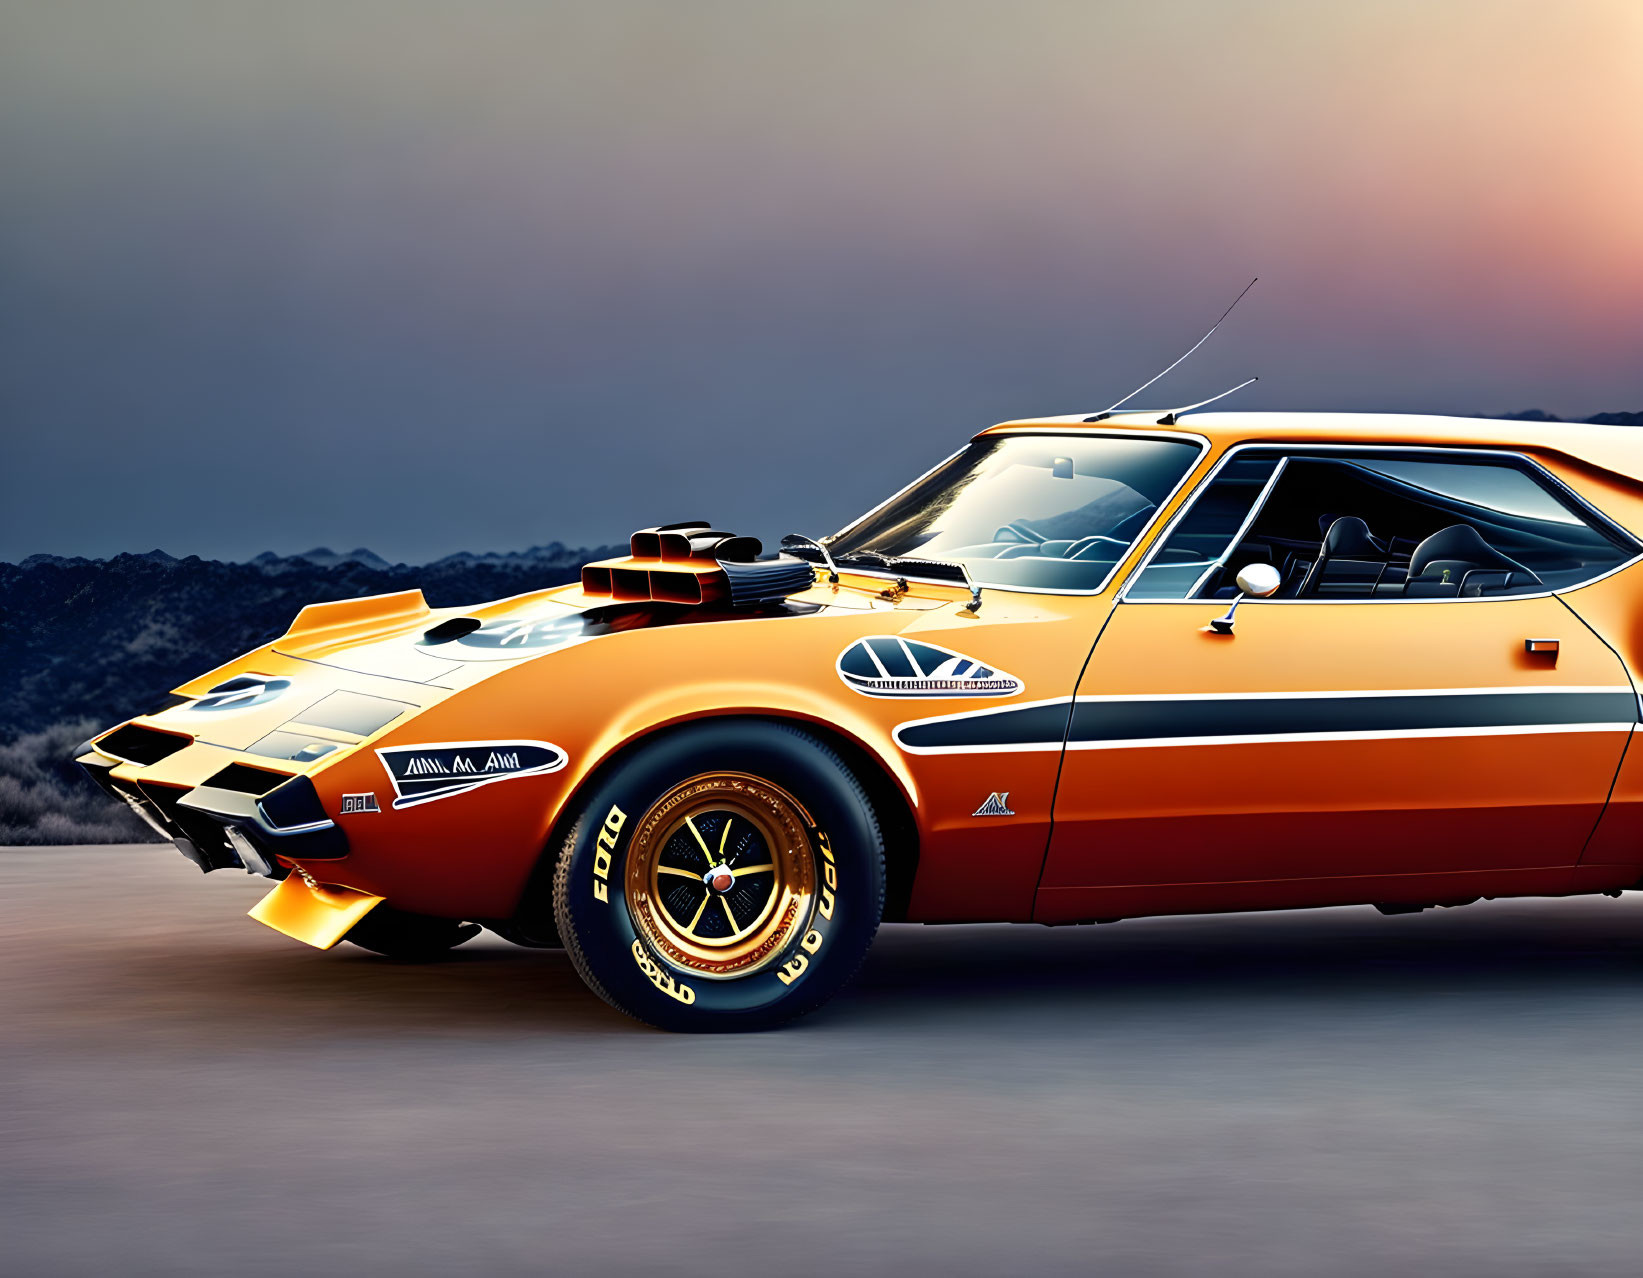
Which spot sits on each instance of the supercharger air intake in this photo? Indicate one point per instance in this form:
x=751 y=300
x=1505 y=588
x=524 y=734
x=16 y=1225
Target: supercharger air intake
x=694 y=563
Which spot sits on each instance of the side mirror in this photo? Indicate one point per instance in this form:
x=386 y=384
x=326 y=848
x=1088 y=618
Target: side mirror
x=1257 y=580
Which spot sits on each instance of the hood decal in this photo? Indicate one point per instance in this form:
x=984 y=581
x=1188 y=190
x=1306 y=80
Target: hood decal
x=520 y=635
x=438 y=770
x=889 y=666
x=241 y=692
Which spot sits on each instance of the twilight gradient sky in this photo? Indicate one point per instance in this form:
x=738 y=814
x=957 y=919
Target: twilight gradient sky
x=429 y=277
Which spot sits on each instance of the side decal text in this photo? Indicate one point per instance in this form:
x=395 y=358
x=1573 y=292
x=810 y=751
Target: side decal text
x=423 y=773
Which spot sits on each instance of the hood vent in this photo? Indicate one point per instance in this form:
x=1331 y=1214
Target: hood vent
x=696 y=564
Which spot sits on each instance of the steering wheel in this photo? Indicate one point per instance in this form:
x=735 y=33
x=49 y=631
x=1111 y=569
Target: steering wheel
x=1020 y=530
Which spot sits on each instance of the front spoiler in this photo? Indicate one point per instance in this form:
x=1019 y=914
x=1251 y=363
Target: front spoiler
x=317 y=914
x=221 y=829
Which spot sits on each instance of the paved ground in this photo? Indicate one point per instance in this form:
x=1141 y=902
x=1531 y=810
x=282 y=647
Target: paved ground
x=184 y=1092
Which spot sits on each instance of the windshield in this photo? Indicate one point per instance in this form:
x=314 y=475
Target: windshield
x=1041 y=512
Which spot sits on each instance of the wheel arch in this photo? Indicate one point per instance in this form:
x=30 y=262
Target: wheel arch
x=892 y=805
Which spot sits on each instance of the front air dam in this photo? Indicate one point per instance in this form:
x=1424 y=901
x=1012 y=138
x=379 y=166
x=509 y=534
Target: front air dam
x=318 y=914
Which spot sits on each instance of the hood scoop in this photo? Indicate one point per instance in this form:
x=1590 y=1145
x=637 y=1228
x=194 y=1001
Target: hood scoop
x=695 y=564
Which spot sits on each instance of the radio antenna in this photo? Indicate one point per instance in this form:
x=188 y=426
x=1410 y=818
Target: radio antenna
x=1169 y=418
x=1108 y=412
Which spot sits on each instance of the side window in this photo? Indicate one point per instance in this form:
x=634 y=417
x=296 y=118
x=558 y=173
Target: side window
x=1200 y=544
x=1386 y=525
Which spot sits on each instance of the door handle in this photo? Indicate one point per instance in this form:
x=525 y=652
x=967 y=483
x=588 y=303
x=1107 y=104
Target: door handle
x=1541 y=648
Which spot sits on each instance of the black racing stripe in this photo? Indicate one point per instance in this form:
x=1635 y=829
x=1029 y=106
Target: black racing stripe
x=1030 y=725
x=1262 y=716
x=1283 y=716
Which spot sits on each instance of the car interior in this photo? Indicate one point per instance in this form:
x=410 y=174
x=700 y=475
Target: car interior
x=1060 y=551
x=1350 y=528
x=1044 y=512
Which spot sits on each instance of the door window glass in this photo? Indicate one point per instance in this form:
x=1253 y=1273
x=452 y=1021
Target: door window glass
x=1200 y=541
x=1383 y=526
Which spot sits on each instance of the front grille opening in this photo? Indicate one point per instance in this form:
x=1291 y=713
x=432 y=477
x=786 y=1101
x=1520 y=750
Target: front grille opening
x=210 y=840
x=136 y=744
x=145 y=807
x=242 y=779
x=163 y=797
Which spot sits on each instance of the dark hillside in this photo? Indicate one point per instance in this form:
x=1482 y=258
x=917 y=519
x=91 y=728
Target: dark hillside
x=85 y=643
x=1597 y=419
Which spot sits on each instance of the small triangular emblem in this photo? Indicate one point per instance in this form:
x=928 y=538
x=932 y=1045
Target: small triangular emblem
x=996 y=805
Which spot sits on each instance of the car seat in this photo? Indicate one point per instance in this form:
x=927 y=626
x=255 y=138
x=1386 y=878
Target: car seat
x=1350 y=561
x=1457 y=561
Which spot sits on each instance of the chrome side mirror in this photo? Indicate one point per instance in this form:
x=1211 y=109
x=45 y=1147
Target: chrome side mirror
x=1257 y=580
x=1260 y=580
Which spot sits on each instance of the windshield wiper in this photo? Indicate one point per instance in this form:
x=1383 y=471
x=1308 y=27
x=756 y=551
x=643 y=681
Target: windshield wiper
x=872 y=558
x=935 y=569
x=795 y=542
x=940 y=569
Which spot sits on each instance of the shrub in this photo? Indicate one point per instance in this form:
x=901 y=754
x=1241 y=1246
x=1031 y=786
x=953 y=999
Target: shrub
x=45 y=798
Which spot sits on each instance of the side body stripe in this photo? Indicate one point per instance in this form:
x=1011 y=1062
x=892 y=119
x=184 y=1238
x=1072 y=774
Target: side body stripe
x=1128 y=722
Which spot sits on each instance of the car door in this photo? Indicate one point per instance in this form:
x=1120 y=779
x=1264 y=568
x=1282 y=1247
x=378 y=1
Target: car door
x=1414 y=702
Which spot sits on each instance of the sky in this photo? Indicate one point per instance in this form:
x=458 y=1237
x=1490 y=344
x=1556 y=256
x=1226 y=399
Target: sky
x=465 y=276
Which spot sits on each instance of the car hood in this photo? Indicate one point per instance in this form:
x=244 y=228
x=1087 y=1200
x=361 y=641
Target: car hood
x=356 y=667
x=399 y=637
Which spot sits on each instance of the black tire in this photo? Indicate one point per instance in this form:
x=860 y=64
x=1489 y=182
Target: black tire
x=620 y=832
x=414 y=938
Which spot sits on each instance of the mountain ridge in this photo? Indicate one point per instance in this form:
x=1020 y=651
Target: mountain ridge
x=86 y=643
x=100 y=637
x=1596 y=419
x=552 y=554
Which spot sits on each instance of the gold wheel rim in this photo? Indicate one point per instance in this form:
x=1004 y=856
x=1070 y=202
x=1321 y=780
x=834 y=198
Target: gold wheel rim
x=721 y=874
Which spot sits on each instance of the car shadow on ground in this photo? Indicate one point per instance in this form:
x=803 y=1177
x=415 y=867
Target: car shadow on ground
x=1572 y=950
x=1343 y=953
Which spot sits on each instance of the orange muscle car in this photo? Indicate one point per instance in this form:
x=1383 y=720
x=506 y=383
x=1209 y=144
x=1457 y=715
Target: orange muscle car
x=1084 y=669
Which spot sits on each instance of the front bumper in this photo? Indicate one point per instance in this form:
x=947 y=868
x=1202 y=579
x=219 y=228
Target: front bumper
x=219 y=828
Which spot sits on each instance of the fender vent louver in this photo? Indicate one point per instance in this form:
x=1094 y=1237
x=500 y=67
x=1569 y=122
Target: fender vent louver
x=695 y=564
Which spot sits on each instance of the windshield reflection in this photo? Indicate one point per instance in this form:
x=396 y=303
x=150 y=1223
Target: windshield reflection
x=1039 y=512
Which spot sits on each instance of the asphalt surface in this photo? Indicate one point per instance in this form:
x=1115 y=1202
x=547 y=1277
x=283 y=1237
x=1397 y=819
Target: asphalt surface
x=184 y=1092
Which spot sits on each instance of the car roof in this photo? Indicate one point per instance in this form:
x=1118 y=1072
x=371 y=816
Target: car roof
x=1618 y=449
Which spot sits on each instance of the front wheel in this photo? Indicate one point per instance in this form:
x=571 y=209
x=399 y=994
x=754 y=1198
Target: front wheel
x=727 y=876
